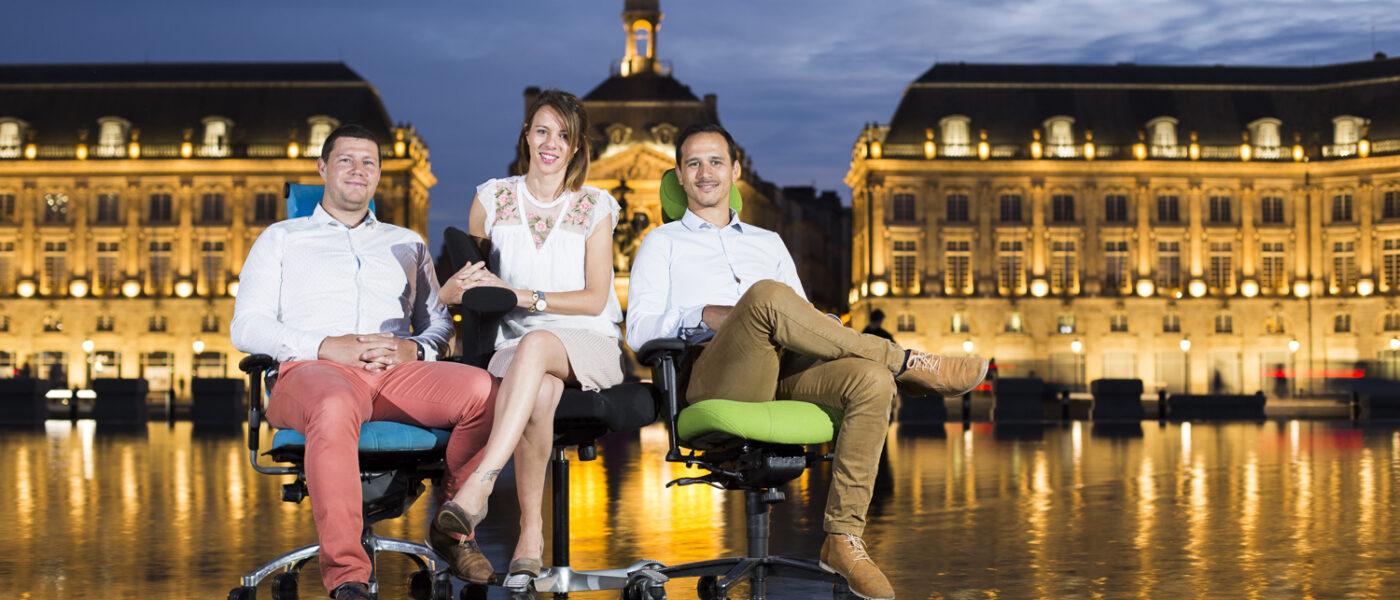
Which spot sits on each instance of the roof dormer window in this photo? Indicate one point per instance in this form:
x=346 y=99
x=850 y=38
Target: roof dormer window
x=216 y=130
x=11 y=137
x=956 y=141
x=321 y=128
x=1163 y=132
x=1346 y=129
x=1264 y=132
x=111 y=136
x=1059 y=133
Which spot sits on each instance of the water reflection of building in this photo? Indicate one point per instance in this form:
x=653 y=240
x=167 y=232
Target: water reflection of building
x=1217 y=225
x=636 y=114
x=129 y=195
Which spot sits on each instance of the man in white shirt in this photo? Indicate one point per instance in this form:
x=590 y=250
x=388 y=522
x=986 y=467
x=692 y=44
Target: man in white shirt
x=710 y=273
x=349 y=306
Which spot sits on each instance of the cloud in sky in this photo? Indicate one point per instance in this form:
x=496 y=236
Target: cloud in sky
x=796 y=79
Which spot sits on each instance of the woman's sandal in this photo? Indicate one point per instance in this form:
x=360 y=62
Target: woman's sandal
x=525 y=566
x=453 y=518
x=521 y=573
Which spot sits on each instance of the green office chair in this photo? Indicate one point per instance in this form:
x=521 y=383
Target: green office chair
x=754 y=447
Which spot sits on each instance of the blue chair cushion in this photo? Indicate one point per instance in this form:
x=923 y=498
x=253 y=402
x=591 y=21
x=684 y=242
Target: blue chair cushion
x=377 y=436
x=303 y=198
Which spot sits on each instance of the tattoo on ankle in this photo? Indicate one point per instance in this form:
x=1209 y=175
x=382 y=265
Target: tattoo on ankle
x=490 y=476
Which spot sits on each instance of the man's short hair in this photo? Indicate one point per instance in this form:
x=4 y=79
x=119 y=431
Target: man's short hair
x=349 y=130
x=695 y=128
x=877 y=315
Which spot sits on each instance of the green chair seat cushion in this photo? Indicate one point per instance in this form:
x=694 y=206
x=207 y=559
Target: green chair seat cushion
x=776 y=422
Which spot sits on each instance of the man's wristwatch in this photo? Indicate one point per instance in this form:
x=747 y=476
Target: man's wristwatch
x=420 y=348
x=537 y=303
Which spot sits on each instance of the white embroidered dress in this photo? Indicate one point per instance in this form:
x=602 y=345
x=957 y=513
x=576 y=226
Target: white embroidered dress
x=541 y=246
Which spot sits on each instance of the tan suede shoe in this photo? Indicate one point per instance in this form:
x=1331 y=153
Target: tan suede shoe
x=845 y=555
x=944 y=375
x=464 y=558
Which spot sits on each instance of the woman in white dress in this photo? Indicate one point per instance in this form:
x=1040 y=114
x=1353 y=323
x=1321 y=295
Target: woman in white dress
x=551 y=244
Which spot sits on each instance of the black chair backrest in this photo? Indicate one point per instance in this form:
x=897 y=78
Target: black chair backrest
x=478 y=332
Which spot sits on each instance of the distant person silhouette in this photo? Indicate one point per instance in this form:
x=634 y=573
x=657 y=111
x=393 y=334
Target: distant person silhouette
x=876 y=326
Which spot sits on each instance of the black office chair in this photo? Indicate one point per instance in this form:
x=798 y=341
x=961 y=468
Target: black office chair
x=580 y=420
x=395 y=459
x=755 y=447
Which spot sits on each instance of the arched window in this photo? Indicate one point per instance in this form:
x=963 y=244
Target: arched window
x=216 y=131
x=1346 y=129
x=1163 y=132
x=642 y=35
x=111 y=136
x=321 y=128
x=11 y=137
x=1059 y=134
x=956 y=140
x=1264 y=132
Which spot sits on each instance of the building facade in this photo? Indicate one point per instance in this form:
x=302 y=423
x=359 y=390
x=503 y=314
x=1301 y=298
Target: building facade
x=635 y=116
x=1232 y=229
x=130 y=195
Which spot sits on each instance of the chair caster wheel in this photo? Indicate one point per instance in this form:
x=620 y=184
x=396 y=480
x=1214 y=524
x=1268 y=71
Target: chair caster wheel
x=472 y=591
x=424 y=585
x=645 y=584
x=243 y=593
x=842 y=591
x=708 y=588
x=284 y=586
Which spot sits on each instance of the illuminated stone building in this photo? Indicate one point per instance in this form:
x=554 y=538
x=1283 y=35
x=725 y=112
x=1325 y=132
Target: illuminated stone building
x=635 y=116
x=130 y=194
x=1211 y=227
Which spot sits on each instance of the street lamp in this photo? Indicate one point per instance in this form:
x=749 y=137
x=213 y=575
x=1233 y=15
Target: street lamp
x=87 y=372
x=198 y=347
x=967 y=346
x=1186 y=363
x=1395 y=343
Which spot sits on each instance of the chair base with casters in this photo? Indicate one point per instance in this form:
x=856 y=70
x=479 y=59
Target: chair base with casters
x=580 y=419
x=395 y=459
x=755 y=447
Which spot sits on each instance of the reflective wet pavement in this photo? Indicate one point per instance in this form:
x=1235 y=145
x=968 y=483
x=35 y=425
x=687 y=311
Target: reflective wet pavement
x=1280 y=509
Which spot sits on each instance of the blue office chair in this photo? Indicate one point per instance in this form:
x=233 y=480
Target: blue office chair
x=395 y=459
x=580 y=420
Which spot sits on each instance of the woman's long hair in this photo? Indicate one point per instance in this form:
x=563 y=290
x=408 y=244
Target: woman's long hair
x=570 y=111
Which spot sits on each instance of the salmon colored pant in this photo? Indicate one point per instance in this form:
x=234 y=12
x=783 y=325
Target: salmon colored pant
x=327 y=402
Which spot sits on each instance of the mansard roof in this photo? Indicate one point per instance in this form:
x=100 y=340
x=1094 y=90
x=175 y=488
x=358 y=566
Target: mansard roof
x=641 y=87
x=267 y=102
x=1116 y=101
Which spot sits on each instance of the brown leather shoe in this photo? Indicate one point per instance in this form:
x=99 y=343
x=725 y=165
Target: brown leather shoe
x=845 y=555
x=944 y=375
x=464 y=558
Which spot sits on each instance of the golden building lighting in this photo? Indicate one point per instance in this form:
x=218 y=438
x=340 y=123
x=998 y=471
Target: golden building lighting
x=1110 y=204
x=635 y=115
x=130 y=194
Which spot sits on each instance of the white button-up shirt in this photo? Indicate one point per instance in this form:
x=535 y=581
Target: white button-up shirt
x=310 y=278
x=684 y=265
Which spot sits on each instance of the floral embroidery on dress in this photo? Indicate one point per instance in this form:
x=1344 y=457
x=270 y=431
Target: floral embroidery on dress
x=539 y=227
x=505 y=204
x=580 y=213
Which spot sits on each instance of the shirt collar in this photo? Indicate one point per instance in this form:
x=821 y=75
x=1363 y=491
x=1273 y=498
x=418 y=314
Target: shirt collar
x=693 y=221
x=319 y=216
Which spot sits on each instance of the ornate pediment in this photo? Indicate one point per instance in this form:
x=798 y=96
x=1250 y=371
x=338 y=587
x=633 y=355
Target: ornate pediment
x=638 y=163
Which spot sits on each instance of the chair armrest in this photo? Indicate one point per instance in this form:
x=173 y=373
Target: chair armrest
x=653 y=351
x=664 y=355
x=256 y=363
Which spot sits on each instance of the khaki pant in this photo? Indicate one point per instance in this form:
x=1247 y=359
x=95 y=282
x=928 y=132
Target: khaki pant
x=754 y=358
